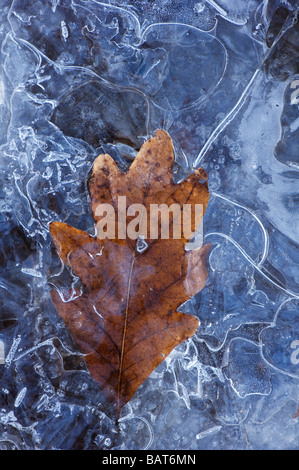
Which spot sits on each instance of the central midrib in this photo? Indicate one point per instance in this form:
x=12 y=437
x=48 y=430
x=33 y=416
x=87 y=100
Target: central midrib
x=122 y=350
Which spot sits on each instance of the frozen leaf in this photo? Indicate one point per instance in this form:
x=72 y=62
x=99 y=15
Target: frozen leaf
x=125 y=322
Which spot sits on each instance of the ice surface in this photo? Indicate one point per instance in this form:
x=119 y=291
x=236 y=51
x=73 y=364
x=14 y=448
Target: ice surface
x=81 y=77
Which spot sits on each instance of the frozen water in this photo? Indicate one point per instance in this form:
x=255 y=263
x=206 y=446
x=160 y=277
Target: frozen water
x=81 y=77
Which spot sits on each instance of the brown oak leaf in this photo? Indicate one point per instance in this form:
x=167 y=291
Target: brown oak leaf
x=125 y=319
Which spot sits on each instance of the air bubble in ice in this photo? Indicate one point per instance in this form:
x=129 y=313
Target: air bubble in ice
x=64 y=30
x=141 y=244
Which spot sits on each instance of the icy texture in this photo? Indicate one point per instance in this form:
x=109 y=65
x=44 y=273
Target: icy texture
x=82 y=77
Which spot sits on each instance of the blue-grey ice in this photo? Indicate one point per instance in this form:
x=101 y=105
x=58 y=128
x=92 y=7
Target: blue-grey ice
x=83 y=77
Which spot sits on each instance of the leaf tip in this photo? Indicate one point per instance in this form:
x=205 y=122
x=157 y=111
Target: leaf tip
x=104 y=163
